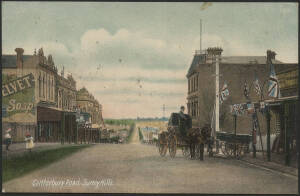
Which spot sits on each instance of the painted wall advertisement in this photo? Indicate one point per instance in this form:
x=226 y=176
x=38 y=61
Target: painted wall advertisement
x=18 y=103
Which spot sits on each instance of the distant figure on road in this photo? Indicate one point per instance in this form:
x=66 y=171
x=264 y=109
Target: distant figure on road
x=29 y=142
x=7 y=138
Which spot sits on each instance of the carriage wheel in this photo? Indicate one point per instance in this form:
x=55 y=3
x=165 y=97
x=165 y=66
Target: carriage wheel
x=172 y=146
x=223 y=149
x=240 y=150
x=186 y=151
x=162 y=146
x=229 y=149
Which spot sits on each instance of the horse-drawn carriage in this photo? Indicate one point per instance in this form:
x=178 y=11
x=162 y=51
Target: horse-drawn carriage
x=181 y=134
x=233 y=144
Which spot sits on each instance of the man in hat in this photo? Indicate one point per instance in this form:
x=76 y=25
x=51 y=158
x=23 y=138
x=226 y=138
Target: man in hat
x=7 y=138
x=182 y=121
x=181 y=112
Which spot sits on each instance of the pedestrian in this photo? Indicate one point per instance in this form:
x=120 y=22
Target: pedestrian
x=29 y=142
x=7 y=138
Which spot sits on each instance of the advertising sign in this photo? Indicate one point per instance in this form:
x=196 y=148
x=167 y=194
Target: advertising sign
x=18 y=102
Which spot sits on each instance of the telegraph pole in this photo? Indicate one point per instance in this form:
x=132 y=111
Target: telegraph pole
x=200 y=35
x=216 y=53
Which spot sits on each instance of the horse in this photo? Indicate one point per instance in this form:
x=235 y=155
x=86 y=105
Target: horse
x=198 y=137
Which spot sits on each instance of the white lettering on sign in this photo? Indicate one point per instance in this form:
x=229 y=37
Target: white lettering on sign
x=18 y=85
x=13 y=106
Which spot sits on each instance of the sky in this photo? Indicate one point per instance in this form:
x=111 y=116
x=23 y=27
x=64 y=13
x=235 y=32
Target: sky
x=133 y=57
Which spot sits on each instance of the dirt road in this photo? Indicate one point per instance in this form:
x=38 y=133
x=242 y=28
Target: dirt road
x=135 y=136
x=138 y=168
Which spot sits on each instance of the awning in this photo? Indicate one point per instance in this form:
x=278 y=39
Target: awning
x=48 y=114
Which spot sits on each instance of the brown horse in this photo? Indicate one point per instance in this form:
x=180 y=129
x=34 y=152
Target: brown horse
x=198 y=137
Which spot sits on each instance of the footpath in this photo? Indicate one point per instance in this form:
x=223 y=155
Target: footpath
x=276 y=163
x=16 y=149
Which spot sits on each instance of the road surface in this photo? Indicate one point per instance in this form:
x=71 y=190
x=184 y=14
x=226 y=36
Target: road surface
x=138 y=168
x=135 y=136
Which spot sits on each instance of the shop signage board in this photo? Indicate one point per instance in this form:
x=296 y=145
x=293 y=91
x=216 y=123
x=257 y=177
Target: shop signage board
x=18 y=101
x=288 y=79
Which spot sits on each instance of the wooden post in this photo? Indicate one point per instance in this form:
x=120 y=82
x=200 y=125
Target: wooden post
x=260 y=138
x=253 y=137
x=286 y=134
x=76 y=133
x=234 y=118
x=268 y=135
x=84 y=134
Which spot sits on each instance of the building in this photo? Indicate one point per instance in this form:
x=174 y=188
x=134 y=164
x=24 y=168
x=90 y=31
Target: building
x=285 y=113
x=235 y=71
x=87 y=103
x=30 y=104
x=239 y=72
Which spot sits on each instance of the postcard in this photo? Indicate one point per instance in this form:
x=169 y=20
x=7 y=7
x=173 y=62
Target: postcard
x=150 y=97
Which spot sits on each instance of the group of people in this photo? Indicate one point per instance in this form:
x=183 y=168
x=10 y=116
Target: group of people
x=8 y=140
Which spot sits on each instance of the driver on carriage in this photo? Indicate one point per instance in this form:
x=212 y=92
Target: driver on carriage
x=182 y=121
x=181 y=112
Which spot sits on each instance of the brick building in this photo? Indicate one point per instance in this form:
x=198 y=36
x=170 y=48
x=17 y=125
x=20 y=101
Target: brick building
x=235 y=71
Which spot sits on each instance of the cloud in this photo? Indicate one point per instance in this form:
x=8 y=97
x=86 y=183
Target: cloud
x=134 y=74
x=131 y=48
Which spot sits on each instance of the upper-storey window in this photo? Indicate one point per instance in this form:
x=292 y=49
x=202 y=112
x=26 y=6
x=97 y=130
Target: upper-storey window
x=40 y=85
x=43 y=90
x=197 y=80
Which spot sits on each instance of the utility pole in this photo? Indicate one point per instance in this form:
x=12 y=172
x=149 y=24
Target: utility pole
x=216 y=53
x=200 y=35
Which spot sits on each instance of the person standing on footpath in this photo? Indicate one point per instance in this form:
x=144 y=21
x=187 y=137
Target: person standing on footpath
x=7 y=138
x=29 y=142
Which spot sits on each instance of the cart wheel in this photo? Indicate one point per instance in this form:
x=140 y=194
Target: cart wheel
x=172 y=146
x=229 y=149
x=222 y=146
x=240 y=151
x=162 y=146
x=186 y=151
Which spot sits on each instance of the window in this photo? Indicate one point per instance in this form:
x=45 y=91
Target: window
x=52 y=89
x=43 y=86
x=194 y=83
x=48 y=91
x=197 y=81
x=40 y=85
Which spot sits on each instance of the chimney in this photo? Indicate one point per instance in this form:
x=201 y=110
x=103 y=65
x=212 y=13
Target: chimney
x=19 y=52
x=214 y=51
x=270 y=55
